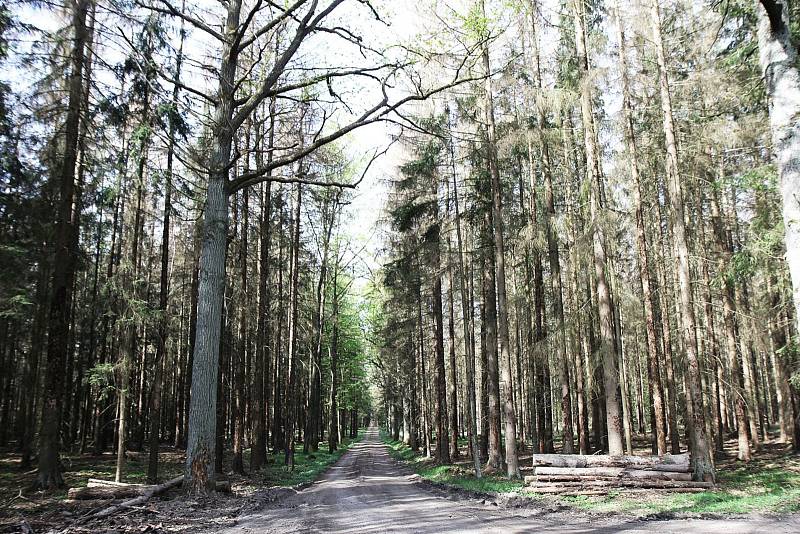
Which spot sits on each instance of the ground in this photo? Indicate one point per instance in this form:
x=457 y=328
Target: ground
x=367 y=490
x=769 y=484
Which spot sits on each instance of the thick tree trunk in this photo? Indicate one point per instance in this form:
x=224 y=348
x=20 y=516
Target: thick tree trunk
x=64 y=261
x=200 y=476
x=778 y=56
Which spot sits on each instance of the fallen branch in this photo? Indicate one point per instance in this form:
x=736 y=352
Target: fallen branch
x=100 y=483
x=147 y=494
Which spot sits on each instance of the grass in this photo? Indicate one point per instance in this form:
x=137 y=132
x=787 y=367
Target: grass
x=773 y=487
x=307 y=467
x=769 y=484
x=448 y=474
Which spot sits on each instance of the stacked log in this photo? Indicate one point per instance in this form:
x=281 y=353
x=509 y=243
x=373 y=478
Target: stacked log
x=598 y=474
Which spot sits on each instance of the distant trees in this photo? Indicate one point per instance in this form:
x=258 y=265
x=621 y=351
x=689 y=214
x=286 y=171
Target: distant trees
x=637 y=246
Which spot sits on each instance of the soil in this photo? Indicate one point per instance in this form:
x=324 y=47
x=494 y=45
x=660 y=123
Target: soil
x=367 y=491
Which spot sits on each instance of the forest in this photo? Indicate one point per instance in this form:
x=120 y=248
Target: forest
x=238 y=236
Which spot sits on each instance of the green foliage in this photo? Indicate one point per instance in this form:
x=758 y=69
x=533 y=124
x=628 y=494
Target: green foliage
x=450 y=475
x=307 y=467
x=475 y=23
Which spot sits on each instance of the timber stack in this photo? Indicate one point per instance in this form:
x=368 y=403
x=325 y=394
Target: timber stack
x=572 y=474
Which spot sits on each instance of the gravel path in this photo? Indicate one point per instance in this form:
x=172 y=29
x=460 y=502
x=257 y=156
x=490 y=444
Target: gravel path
x=367 y=491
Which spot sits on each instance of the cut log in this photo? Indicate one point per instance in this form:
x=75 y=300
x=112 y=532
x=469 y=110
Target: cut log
x=121 y=490
x=669 y=462
x=570 y=490
x=622 y=483
x=653 y=474
x=580 y=472
x=566 y=473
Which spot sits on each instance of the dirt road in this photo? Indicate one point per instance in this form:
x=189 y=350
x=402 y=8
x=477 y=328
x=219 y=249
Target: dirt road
x=369 y=492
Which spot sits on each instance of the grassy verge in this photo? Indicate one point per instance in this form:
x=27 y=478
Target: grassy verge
x=307 y=467
x=770 y=484
x=742 y=490
x=448 y=474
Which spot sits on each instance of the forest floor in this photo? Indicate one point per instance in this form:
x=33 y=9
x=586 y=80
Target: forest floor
x=769 y=484
x=38 y=512
x=381 y=487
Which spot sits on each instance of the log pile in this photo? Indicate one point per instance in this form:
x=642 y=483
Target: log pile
x=567 y=475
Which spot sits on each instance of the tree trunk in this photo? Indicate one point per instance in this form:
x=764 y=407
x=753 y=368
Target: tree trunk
x=648 y=295
x=512 y=462
x=163 y=328
x=258 y=453
x=292 y=400
x=701 y=450
x=467 y=323
x=778 y=57
x=64 y=261
x=608 y=348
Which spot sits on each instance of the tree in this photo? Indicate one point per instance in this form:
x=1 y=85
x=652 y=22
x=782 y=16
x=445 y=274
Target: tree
x=64 y=261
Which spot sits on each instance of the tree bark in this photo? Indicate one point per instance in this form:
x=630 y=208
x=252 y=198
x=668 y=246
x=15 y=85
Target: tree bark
x=608 y=349
x=512 y=462
x=778 y=57
x=64 y=261
x=701 y=450
x=200 y=474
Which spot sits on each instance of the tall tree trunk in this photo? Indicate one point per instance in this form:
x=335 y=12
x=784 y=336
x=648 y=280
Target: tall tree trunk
x=608 y=348
x=64 y=261
x=292 y=390
x=313 y=424
x=442 y=441
x=648 y=295
x=333 y=402
x=512 y=462
x=778 y=57
x=562 y=356
x=163 y=327
x=466 y=318
x=703 y=466
x=200 y=473
x=258 y=453
x=491 y=370
x=729 y=320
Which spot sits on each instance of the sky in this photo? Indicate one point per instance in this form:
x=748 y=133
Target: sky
x=405 y=22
